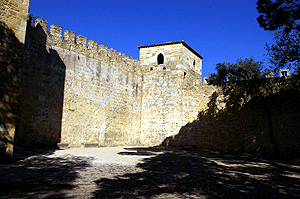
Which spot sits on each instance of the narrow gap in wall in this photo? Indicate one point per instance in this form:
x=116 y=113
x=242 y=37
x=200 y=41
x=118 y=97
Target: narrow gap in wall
x=194 y=65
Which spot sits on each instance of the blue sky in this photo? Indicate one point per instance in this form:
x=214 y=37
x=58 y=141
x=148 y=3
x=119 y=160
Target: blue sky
x=219 y=30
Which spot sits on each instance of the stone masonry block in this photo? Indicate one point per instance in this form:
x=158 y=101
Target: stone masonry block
x=69 y=35
x=92 y=45
x=112 y=52
x=81 y=40
x=56 y=30
x=120 y=56
x=102 y=47
x=41 y=22
x=136 y=63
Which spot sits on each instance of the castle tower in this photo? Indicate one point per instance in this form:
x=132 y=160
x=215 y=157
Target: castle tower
x=172 y=73
x=172 y=56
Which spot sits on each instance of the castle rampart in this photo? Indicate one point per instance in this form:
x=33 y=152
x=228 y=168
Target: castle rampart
x=107 y=97
x=77 y=92
x=100 y=90
x=111 y=99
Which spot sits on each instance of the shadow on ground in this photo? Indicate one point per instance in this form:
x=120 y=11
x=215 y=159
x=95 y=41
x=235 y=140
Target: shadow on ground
x=163 y=173
x=187 y=174
x=40 y=176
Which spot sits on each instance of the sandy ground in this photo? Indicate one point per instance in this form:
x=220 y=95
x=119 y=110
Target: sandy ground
x=109 y=155
x=141 y=172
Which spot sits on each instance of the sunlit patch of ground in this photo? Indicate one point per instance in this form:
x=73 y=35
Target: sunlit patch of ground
x=139 y=172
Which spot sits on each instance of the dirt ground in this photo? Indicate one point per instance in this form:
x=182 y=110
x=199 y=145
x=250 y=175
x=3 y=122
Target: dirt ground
x=141 y=172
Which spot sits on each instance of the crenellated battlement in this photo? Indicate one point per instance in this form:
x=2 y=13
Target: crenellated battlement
x=43 y=23
x=104 y=88
x=77 y=92
x=81 y=45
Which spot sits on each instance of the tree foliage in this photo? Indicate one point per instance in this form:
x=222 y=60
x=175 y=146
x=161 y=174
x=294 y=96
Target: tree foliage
x=240 y=83
x=282 y=17
x=279 y=14
x=286 y=50
x=237 y=81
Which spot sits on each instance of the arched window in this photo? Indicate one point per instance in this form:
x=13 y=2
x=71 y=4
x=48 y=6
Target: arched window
x=160 y=59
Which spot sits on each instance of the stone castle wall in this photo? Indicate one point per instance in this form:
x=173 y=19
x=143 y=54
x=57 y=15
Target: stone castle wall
x=75 y=91
x=247 y=130
x=14 y=13
x=78 y=91
x=13 y=18
x=168 y=104
x=172 y=90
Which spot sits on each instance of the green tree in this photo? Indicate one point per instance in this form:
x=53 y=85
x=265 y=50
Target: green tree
x=240 y=83
x=279 y=14
x=232 y=78
x=286 y=50
x=282 y=17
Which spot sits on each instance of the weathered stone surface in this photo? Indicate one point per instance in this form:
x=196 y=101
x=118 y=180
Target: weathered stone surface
x=78 y=95
x=82 y=94
x=76 y=92
x=172 y=90
x=14 y=14
x=13 y=17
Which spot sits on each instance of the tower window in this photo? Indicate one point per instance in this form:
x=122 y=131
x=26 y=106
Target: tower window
x=160 y=59
x=194 y=64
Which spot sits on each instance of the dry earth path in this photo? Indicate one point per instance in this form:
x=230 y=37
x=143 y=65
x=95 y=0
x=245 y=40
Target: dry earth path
x=141 y=172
